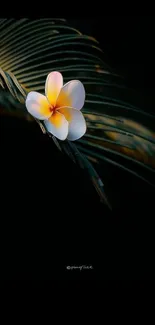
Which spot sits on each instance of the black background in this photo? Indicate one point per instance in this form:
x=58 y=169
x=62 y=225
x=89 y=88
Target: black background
x=73 y=227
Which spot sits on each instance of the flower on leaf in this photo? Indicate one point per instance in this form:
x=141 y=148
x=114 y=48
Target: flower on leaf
x=60 y=108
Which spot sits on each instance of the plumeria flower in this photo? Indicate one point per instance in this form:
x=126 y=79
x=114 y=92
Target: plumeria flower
x=60 y=108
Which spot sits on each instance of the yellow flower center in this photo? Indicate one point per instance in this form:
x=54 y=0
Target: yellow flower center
x=53 y=109
x=61 y=110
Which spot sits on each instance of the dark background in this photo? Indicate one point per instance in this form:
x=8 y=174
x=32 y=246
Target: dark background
x=73 y=227
x=127 y=42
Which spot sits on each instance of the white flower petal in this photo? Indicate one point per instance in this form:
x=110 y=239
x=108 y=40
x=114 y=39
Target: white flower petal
x=77 y=123
x=54 y=83
x=72 y=94
x=37 y=105
x=57 y=125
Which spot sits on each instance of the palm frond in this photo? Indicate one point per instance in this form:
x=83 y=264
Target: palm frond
x=120 y=130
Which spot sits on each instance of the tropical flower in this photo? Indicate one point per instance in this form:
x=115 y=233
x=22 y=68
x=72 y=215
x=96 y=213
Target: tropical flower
x=60 y=108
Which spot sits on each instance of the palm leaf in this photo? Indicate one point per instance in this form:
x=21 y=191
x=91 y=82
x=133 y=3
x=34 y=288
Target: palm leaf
x=120 y=131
